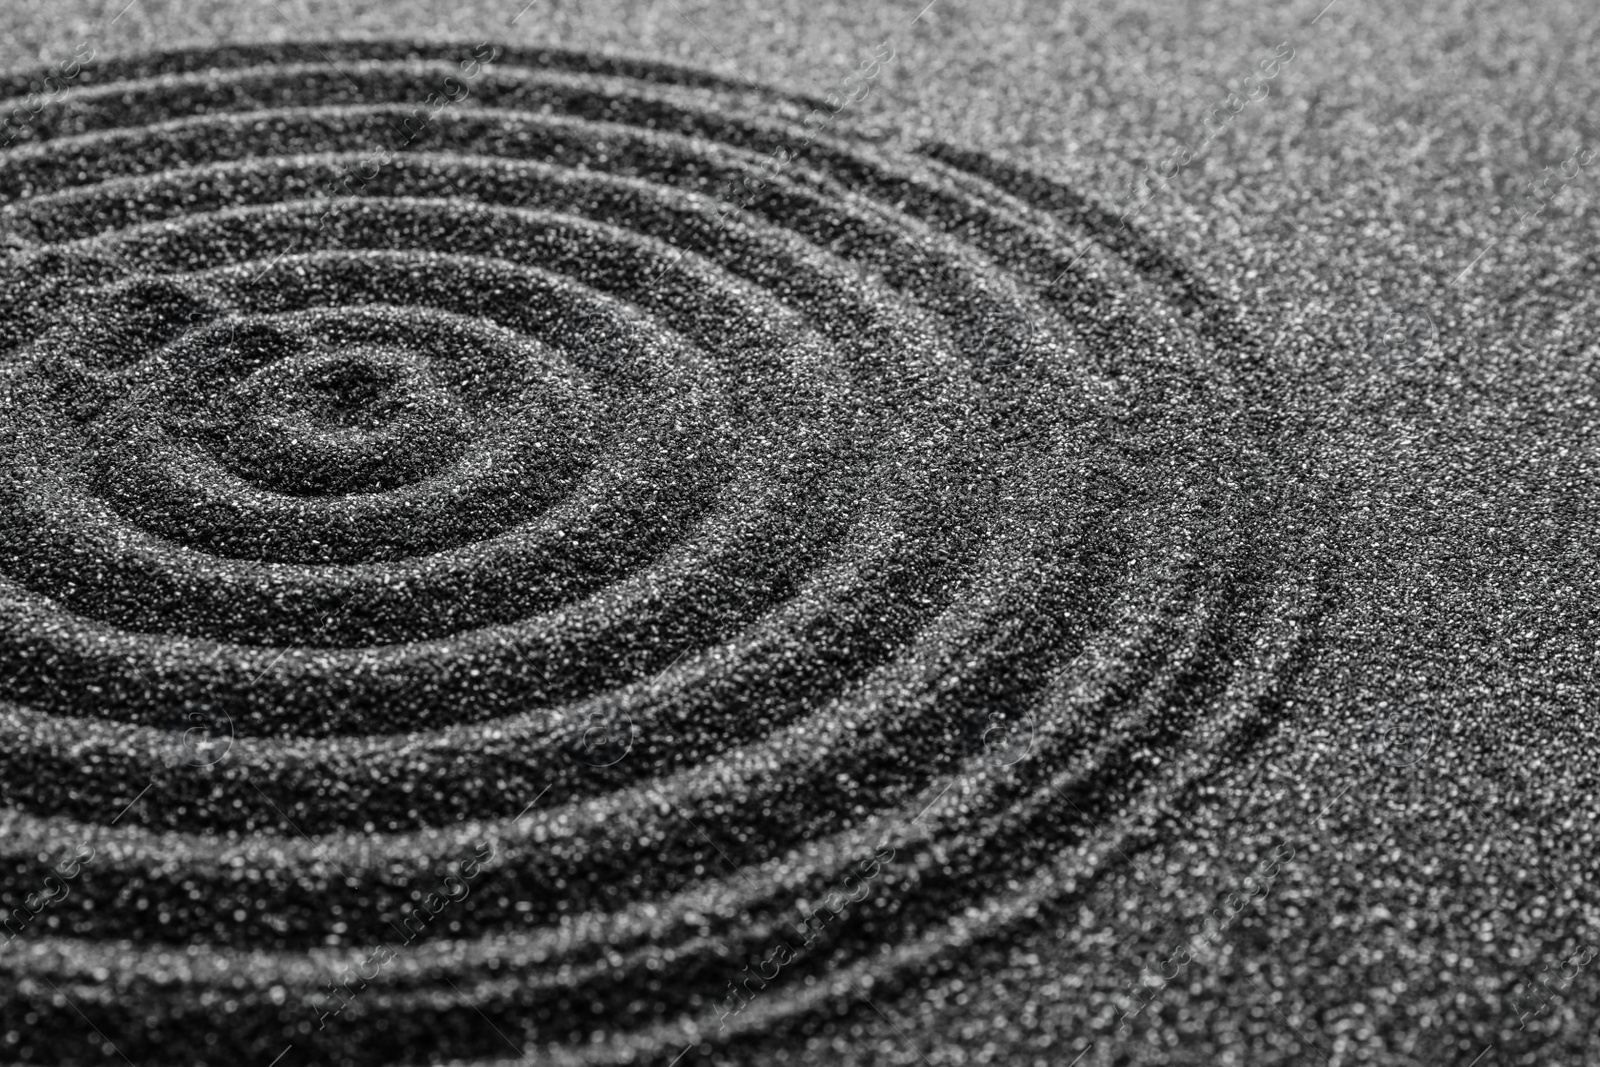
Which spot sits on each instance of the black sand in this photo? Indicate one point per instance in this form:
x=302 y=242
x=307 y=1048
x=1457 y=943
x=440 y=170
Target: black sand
x=912 y=522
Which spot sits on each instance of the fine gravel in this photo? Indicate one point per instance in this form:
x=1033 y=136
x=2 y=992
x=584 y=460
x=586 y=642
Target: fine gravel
x=526 y=553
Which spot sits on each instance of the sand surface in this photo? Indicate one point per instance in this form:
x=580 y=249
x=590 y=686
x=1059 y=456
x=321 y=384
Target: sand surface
x=482 y=570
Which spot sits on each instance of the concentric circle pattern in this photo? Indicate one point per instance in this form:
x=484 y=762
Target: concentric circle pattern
x=532 y=500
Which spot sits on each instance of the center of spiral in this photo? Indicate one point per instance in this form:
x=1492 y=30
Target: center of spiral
x=349 y=391
x=363 y=418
